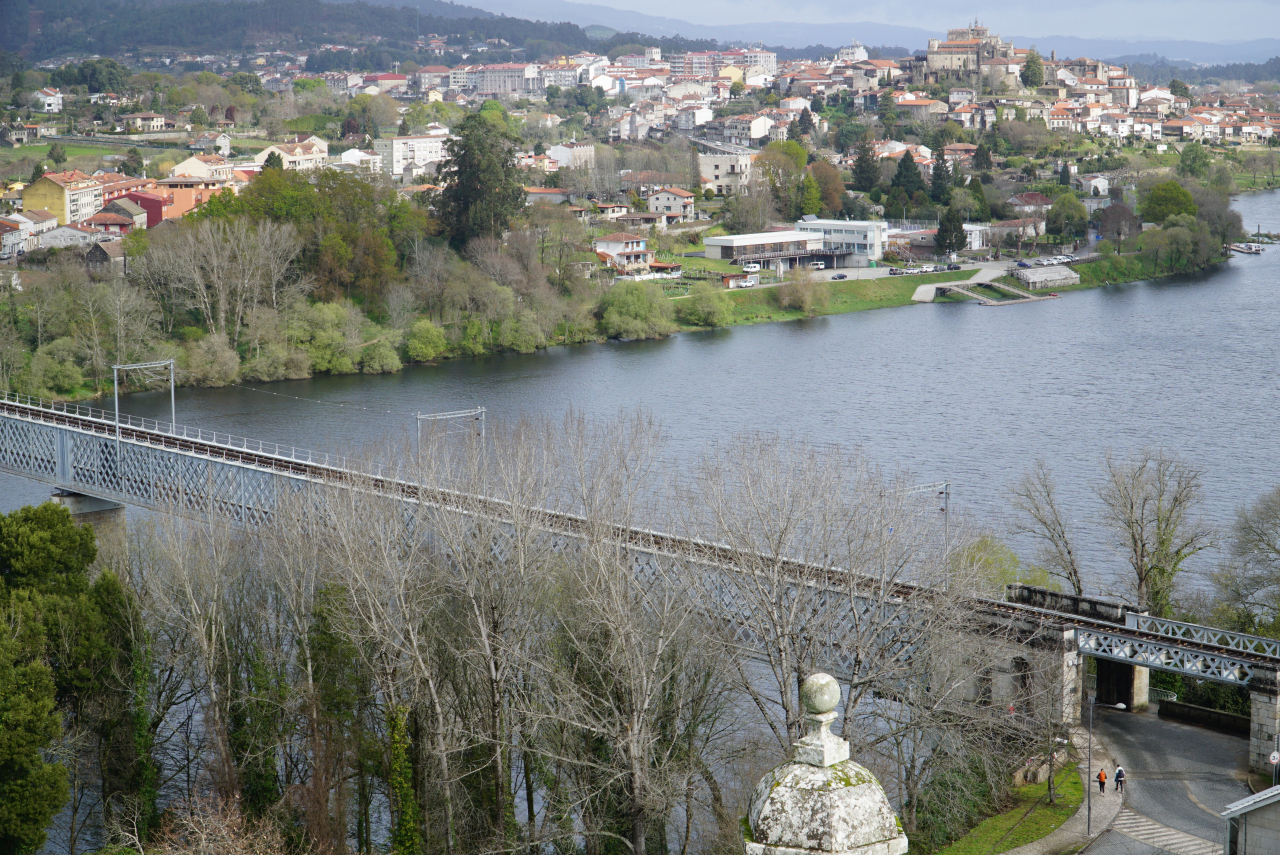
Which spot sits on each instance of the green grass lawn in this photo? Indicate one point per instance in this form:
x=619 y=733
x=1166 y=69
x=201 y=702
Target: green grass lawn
x=1016 y=827
x=759 y=305
x=9 y=155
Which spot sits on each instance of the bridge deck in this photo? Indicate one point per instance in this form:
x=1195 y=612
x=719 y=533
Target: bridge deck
x=170 y=467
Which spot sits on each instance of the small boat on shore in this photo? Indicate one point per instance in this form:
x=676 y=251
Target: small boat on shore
x=1249 y=248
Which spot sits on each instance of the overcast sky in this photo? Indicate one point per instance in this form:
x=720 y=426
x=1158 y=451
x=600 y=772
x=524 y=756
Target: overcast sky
x=1196 y=20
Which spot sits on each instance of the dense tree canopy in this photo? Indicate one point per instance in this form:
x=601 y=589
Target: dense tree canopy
x=1165 y=200
x=482 y=187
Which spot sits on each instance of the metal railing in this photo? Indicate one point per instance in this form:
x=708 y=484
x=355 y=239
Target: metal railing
x=228 y=441
x=1269 y=647
x=1155 y=696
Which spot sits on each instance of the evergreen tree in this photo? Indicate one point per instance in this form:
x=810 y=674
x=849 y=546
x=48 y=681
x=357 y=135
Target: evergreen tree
x=273 y=161
x=482 y=187
x=57 y=154
x=806 y=121
x=908 y=176
x=1064 y=175
x=37 y=172
x=32 y=790
x=981 y=158
x=950 y=237
x=1179 y=89
x=199 y=116
x=810 y=195
x=940 y=181
x=866 y=169
x=793 y=130
x=1033 y=71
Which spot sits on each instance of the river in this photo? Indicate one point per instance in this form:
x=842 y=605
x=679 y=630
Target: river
x=951 y=392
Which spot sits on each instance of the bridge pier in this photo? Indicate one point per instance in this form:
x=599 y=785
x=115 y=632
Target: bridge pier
x=1264 y=714
x=1119 y=683
x=105 y=516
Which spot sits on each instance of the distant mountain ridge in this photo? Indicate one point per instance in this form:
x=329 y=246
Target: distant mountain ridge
x=793 y=34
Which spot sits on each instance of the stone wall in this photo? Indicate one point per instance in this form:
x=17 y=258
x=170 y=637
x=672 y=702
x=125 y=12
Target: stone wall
x=1239 y=725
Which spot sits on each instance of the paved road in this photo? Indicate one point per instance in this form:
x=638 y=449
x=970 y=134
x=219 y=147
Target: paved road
x=1180 y=777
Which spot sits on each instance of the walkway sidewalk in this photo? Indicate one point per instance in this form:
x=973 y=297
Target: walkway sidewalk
x=1106 y=807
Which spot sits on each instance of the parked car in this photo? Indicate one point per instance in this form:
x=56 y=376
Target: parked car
x=896 y=271
x=1023 y=264
x=953 y=267
x=840 y=276
x=817 y=265
x=750 y=268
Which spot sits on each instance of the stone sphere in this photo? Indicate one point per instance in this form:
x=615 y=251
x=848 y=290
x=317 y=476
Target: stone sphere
x=820 y=693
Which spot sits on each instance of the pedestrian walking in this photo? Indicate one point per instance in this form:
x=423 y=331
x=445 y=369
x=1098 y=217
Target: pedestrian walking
x=1119 y=779
x=1102 y=780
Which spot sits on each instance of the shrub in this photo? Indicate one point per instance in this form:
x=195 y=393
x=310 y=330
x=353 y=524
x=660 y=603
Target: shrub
x=425 y=341
x=210 y=362
x=54 y=370
x=706 y=306
x=521 y=334
x=277 y=362
x=804 y=293
x=380 y=358
x=636 y=310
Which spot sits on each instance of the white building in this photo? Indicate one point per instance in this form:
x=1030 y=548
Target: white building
x=854 y=52
x=311 y=154
x=362 y=161
x=49 y=101
x=509 y=78
x=690 y=118
x=573 y=155
x=70 y=235
x=413 y=153
x=853 y=243
x=779 y=251
x=13 y=237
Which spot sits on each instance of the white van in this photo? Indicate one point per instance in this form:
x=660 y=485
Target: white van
x=817 y=265
x=750 y=268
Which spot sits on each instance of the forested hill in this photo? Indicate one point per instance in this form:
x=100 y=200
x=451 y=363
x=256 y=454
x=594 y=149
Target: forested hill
x=1161 y=71
x=71 y=26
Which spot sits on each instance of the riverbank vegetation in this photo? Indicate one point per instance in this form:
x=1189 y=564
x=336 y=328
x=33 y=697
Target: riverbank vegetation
x=304 y=688
x=1030 y=816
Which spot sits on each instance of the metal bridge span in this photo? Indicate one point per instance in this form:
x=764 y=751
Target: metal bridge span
x=173 y=468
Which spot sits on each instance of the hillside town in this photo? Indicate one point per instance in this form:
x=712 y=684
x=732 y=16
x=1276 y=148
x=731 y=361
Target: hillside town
x=963 y=87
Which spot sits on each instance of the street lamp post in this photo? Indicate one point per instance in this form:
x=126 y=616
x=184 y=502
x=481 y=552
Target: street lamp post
x=1093 y=702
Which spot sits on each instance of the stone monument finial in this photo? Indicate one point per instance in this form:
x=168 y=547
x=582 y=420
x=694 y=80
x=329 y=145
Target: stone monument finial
x=820 y=694
x=821 y=803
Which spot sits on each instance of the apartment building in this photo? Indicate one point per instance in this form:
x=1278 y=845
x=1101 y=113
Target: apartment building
x=72 y=196
x=413 y=153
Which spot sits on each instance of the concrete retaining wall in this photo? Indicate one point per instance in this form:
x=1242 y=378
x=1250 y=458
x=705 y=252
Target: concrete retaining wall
x=1237 y=725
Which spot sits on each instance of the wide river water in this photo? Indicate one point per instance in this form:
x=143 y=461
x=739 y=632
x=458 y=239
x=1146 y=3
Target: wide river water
x=951 y=392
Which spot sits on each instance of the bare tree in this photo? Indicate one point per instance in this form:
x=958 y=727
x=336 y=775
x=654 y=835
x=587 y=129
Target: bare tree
x=1248 y=585
x=1035 y=497
x=1149 y=501
x=189 y=575
x=401 y=306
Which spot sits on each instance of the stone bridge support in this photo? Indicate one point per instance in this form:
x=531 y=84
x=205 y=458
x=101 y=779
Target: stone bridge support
x=106 y=517
x=1119 y=683
x=1264 y=712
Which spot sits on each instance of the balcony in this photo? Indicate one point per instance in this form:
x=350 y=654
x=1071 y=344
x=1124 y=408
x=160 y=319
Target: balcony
x=761 y=256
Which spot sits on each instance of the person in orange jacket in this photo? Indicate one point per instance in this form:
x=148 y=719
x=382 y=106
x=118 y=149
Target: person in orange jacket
x=1102 y=780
